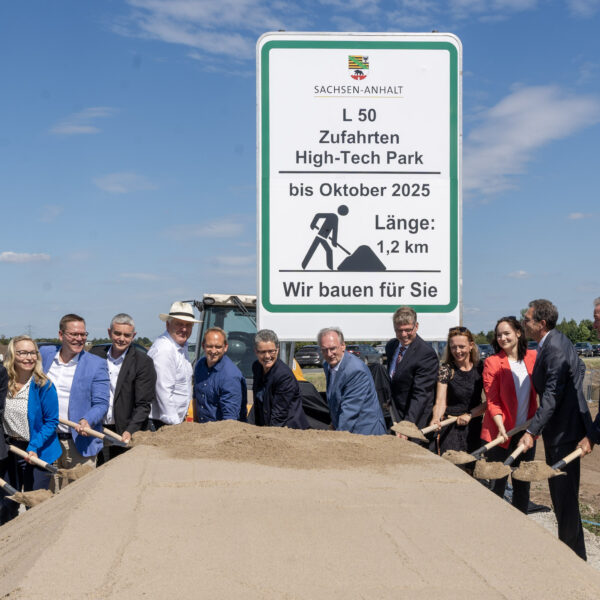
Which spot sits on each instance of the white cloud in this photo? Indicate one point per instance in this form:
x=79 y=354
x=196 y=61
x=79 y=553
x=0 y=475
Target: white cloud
x=234 y=261
x=575 y=216
x=227 y=27
x=519 y=275
x=50 y=212
x=139 y=276
x=81 y=123
x=22 y=257
x=123 y=183
x=583 y=8
x=219 y=228
x=510 y=132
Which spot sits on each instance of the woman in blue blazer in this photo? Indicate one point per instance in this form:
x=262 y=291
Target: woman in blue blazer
x=29 y=422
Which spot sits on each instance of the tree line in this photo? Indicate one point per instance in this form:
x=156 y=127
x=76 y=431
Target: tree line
x=576 y=332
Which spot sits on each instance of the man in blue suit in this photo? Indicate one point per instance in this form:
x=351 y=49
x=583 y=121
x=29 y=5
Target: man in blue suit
x=83 y=387
x=351 y=394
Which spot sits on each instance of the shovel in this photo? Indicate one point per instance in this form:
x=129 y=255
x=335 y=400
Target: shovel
x=410 y=430
x=34 y=460
x=462 y=458
x=114 y=435
x=538 y=471
x=29 y=499
x=496 y=470
x=96 y=434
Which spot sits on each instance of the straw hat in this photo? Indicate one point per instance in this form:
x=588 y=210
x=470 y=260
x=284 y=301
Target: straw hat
x=180 y=310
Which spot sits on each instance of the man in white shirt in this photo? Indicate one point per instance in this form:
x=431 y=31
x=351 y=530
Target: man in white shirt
x=83 y=388
x=173 y=369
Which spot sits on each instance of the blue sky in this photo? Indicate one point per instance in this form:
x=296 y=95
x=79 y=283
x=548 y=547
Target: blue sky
x=127 y=151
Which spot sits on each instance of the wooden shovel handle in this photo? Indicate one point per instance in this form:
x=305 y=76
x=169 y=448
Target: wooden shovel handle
x=568 y=458
x=511 y=459
x=113 y=434
x=498 y=440
x=33 y=459
x=89 y=431
x=443 y=423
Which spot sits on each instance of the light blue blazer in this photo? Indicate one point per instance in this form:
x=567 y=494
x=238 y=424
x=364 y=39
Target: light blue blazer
x=89 y=397
x=352 y=398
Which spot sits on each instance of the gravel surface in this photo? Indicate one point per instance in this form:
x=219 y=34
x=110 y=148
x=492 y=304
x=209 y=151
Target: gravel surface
x=592 y=542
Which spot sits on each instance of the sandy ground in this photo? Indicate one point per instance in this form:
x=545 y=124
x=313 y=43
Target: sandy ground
x=354 y=517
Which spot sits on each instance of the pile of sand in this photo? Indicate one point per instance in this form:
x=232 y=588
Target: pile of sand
x=490 y=470
x=278 y=446
x=232 y=511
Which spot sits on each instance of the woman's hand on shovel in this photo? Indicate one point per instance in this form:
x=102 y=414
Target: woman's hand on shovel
x=31 y=454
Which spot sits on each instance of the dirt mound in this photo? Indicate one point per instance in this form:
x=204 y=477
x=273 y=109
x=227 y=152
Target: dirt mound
x=32 y=498
x=362 y=259
x=490 y=470
x=279 y=447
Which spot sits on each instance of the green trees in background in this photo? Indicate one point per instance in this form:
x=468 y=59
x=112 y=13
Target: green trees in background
x=582 y=332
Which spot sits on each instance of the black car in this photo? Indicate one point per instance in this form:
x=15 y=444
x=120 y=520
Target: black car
x=309 y=356
x=485 y=350
x=584 y=349
x=366 y=353
x=596 y=348
x=531 y=345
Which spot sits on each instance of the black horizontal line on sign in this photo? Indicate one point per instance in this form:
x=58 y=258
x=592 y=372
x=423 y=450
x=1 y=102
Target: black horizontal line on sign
x=330 y=271
x=366 y=172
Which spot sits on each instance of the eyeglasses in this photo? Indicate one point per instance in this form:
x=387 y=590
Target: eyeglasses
x=459 y=329
x=398 y=330
x=266 y=352
x=74 y=336
x=24 y=353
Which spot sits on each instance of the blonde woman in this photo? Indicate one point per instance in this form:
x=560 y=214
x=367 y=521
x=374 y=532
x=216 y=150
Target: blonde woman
x=29 y=422
x=459 y=388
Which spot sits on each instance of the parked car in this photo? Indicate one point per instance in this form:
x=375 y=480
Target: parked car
x=485 y=350
x=584 y=349
x=596 y=348
x=380 y=348
x=309 y=356
x=366 y=353
x=531 y=345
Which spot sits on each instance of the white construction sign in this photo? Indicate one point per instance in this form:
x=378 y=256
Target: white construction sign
x=358 y=182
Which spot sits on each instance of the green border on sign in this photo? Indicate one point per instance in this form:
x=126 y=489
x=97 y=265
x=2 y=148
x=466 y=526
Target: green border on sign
x=265 y=179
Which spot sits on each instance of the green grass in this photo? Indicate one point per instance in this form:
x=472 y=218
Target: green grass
x=316 y=377
x=588 y=514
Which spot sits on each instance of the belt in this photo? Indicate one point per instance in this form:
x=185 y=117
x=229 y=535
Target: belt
x=64 y=436
x=15 y=440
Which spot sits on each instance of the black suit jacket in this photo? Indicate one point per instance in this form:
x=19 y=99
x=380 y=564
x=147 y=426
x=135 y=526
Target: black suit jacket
x=414 y=380
x=3 y=391
x=563 y=415
x=277 y=399
x=135 y=390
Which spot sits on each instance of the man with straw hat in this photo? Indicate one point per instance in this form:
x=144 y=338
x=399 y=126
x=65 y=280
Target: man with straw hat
x=173 y=369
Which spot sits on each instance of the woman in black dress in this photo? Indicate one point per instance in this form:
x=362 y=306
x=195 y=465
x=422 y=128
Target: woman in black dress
x=458 y=392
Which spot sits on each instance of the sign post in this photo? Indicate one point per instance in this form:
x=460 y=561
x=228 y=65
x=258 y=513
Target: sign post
x=359 y=207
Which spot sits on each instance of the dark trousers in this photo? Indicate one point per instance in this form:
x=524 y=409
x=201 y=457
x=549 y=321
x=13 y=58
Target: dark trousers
x=109 y=451
x=564 y=491
x=23 y=477
x=520 y=497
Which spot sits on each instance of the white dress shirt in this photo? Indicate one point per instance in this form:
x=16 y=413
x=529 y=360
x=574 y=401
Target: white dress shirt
x=173 y=380
x=61 y=375
x=114 y=368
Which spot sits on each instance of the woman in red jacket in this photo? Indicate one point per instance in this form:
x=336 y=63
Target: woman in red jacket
x=511 y=400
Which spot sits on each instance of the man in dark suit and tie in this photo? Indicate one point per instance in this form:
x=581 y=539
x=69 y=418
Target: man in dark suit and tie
x=132 y=383
x=413 y=368
x=563 y=417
